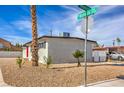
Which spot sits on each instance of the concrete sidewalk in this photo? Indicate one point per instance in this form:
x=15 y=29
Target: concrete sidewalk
x=109 y=83
x=2 y=83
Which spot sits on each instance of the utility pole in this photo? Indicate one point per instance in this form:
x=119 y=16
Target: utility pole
x=113 y=42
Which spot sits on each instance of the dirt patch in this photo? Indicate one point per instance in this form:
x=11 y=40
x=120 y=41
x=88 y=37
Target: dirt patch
x=59 y=75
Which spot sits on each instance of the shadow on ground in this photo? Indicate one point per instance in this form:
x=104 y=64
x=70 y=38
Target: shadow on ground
x=120 y=77
x=63 y=67
x=117 y=64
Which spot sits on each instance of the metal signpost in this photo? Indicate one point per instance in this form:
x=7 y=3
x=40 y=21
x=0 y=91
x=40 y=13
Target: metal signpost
x=83 y=25
x=88 y=11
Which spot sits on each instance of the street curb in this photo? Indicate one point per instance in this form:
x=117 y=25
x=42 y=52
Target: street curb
x=100 y=82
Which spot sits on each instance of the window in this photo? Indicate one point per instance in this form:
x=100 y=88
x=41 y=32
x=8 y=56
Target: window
x=65 y=34
x=42 y=45
x=1 y=45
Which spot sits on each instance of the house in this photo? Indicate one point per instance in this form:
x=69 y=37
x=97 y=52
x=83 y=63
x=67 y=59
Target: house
x=6 y=45
x=59 y=48
x=100 y=53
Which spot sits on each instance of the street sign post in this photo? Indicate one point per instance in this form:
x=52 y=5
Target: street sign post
x=88 y=11
x=83 y=24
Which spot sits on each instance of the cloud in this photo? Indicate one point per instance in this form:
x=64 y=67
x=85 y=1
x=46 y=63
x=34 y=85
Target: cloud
x=105 y=9
x=106 y=30
x=71 y=8
x=23 y=25
x=15 y=31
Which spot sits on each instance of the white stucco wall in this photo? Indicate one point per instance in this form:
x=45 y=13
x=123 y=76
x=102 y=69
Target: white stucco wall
x=43 y=52
x=29 y=53
x=24 y=52
x=61 y=49
x=100 y=55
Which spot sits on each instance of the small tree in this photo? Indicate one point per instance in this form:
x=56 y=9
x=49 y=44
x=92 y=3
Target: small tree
x=78 y=54
x=19 y=62
x=48 y=61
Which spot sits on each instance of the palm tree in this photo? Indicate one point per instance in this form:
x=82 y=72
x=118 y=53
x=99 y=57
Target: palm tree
x=118 y=40
x=34 y=44
x=78 y=54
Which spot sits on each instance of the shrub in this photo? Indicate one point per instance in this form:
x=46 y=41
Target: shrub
x=19 y=62
x=78 y=54
x=48 y=61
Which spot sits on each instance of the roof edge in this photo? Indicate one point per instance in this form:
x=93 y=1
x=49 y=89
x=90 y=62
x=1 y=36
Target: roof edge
x=60 y=37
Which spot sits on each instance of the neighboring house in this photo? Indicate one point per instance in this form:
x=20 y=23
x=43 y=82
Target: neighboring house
x=6 y=45
x=100 y=53
x=59 y=48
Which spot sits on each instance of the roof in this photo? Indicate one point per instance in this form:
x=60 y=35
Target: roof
x=110 y=47
x=60 y=37
x=9 y=46
x=100 y=48
x=116 y=47
x=4 y=40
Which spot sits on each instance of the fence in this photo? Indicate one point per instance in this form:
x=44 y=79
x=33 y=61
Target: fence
x=10 y=54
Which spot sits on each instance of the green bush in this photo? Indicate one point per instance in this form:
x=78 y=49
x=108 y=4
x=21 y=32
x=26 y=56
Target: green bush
x=78 y=54
x=19 y=62
x=48 y=61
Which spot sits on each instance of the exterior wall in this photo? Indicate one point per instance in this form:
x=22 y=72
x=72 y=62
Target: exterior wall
x=24 y=53
x=29 y=53
x=61 y=49
x=1 y=45
x=121 y=50
x=100 y=55
x=43 y=52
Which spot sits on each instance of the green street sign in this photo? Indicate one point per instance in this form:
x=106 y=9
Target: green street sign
x=87 y=13
x=84 y=7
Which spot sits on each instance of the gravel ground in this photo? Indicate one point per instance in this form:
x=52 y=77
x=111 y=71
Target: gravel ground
x=58 y=75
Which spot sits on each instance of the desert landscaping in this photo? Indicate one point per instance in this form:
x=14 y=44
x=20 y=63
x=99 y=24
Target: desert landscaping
x=58 y=75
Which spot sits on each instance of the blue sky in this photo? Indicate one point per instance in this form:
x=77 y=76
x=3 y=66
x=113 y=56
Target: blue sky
x=15 y=23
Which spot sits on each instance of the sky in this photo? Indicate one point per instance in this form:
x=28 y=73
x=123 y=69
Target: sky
x=15 y=22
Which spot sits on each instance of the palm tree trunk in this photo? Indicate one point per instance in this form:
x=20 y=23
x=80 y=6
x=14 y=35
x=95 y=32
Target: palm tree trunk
x=79 y=64
x=34 y=44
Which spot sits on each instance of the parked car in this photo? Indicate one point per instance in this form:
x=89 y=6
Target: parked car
x=117 y=56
